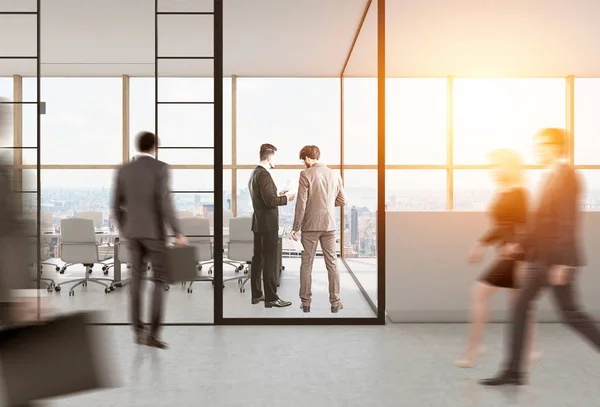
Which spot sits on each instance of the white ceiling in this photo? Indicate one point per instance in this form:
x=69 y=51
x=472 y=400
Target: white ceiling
x=484 y=38
x=310 y=38
x=114 y=37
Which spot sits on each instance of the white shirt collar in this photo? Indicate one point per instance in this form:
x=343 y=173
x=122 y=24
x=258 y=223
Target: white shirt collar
x=146 y=155
x=265 y=166
x=556 y=164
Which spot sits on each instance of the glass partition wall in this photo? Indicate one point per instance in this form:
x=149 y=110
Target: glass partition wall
x=87 y=128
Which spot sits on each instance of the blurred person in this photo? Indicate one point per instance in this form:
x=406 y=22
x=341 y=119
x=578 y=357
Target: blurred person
x=508 y=213
x=143 y=208
x=552 y=251
x=14 y=268
x=320 y=190
x=265 y=226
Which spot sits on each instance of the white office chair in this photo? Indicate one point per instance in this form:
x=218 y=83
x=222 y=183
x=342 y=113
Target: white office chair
x=78 y=246
x=197 y=231
x=240 y=247
x=105 y=251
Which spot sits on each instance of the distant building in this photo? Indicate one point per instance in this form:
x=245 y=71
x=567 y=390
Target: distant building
x=354 y=236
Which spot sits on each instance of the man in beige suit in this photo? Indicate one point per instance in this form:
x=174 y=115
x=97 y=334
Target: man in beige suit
x=320 y=190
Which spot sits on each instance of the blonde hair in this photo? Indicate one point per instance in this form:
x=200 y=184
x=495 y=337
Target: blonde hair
x=511 y=163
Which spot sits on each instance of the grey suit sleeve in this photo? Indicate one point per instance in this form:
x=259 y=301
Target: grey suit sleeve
x=118 y=200
x=567 y=208
x=166 y=202
x=301 y=201
x=340 y=200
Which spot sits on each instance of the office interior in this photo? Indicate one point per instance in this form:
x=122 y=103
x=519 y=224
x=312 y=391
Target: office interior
x=457 y=85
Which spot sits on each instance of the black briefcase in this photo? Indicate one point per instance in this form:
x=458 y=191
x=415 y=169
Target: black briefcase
x=181 y=264
x=51 y=358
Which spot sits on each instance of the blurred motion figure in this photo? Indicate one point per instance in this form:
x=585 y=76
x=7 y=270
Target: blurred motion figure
x=552 y=251
x=508 y=213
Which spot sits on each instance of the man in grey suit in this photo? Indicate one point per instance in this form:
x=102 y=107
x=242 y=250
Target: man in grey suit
x=320 y=190
x=551 y=248
x=143 y=209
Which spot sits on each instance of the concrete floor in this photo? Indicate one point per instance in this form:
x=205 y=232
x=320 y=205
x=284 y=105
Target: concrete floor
x=394 y=365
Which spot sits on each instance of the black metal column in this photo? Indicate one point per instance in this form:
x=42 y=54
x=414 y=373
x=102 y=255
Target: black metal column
x=217 y=147
x=37 y=192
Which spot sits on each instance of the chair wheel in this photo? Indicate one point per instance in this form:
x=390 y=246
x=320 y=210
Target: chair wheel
x=246 y=271
x=105 y=272
x=240 y=268
x=62 y=270
x=199 y=268
x=57 y=288
x=242 y=289
x=210 y=272
x=57 y=269
x=84 y=284
x=107 y=290
x=49 y=289
x=167 y=287
x=112 y=288
x=190 y=290
x=71 y=293
x=240 y=281
x=90 y=271
x=282 y=268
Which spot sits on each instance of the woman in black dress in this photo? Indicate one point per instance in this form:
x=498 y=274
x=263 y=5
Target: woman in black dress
x=508 y=213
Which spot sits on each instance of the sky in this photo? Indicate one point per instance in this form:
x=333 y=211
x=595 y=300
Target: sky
x=83 y=124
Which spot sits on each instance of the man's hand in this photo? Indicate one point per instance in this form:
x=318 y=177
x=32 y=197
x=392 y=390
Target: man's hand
x=181 y=240
x=559 y=275
x=290 y=197
x=294 y=235
x=284 y=192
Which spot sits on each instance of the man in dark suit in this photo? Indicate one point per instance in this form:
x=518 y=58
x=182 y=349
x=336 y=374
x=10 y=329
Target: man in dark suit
x=143 y=209
x=265 y=225
x=552 y=250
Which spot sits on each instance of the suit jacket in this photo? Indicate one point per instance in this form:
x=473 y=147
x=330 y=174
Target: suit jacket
x=552 y=237
x=265 y=201
x=14 y=266
x=320 y=190
x=142 y=203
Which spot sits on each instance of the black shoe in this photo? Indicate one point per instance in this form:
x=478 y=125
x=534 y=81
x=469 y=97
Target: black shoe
x=505 y=378
x=279 y=303
x=305 y=308
x=155 y=343
x=257 y=300
x=335 y=308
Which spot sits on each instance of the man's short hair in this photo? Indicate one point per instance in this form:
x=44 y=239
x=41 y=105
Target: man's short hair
x=554 y=135
x=311 y=152
x=146 y=141
x=266 y=151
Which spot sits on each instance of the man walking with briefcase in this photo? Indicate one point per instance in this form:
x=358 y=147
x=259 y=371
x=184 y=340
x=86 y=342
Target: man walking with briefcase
x=143 y=208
